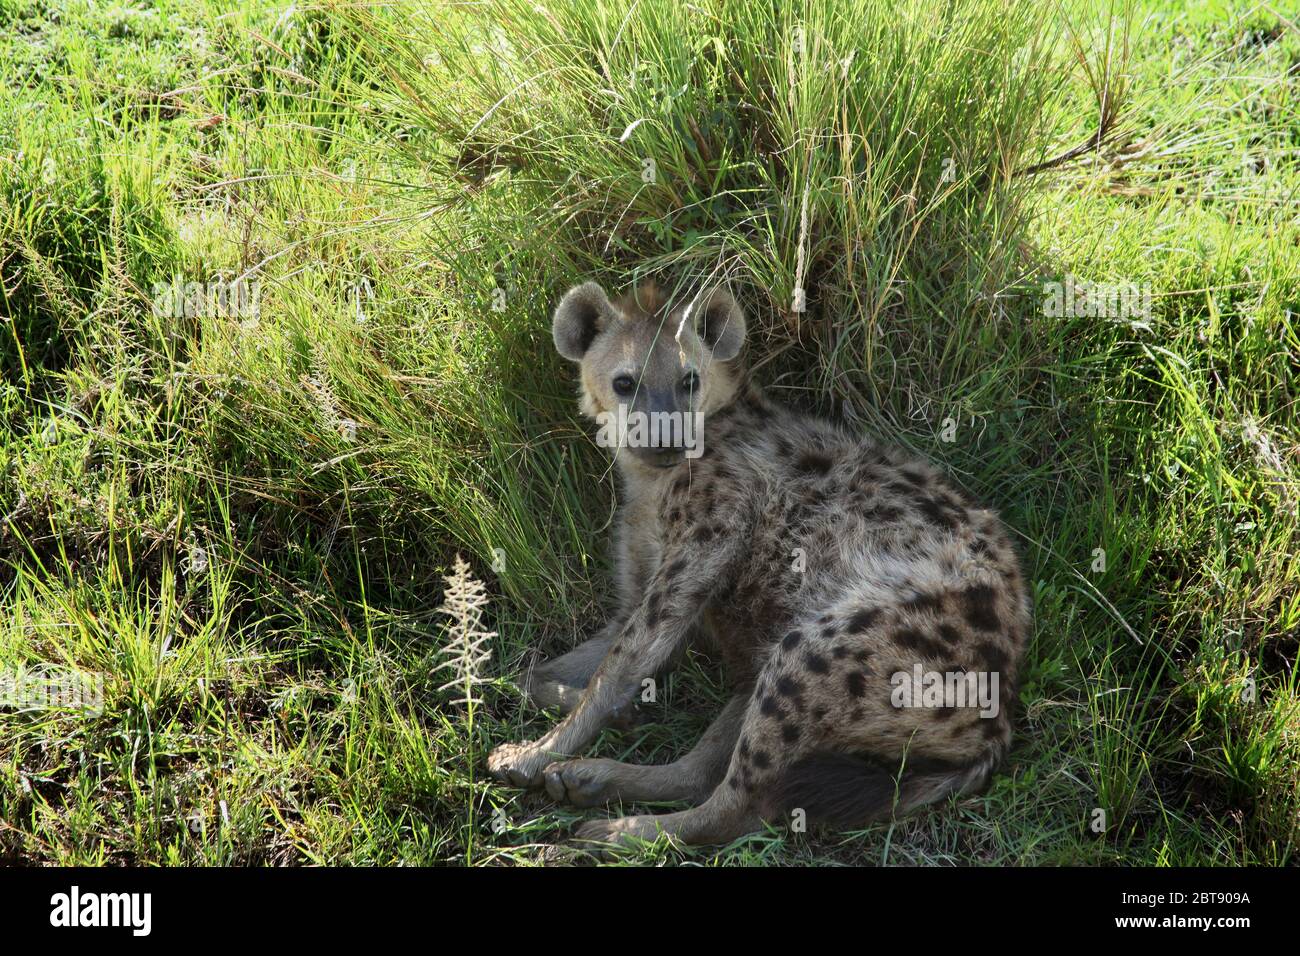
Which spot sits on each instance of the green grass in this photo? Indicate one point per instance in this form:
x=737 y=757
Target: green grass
x=242 y=526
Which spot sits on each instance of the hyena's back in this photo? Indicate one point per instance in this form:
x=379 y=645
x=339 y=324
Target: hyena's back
x=862 y=564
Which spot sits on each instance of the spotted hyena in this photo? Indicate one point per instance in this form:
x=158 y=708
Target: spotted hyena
x=870 y=616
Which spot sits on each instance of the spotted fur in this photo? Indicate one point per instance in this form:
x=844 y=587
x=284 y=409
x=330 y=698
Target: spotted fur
x=816 y=562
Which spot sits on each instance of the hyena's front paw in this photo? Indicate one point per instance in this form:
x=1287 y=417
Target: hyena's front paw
x=519 y=765
x=583 y=783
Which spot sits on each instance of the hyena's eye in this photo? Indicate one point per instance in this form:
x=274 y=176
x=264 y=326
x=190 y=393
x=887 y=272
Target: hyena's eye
x=623 y=385
x=691 y=382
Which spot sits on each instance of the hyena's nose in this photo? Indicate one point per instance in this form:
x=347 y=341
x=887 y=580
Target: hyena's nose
x=661 y=401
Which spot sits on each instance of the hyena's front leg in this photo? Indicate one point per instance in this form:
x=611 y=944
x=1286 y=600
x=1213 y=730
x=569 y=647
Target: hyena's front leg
x=653 y=632
x=559 y=682
x=593 y=781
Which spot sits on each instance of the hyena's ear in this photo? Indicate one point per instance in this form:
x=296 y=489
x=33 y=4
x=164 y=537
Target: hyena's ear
x=722 y=325
x=584 y=311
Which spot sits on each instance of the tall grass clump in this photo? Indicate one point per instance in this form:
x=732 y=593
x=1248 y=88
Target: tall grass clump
x=845 y=163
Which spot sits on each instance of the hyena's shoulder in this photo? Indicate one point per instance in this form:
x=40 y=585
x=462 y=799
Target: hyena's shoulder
x=761 y=442
x=816 y=469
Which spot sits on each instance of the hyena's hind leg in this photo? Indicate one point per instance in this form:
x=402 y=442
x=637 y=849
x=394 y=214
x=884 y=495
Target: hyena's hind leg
x=592 y=782
x=820 y=705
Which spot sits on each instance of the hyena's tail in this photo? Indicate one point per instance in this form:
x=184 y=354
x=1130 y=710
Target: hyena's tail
x=848 y=790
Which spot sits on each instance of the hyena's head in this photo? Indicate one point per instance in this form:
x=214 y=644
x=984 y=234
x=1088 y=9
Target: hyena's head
x=651 y=370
